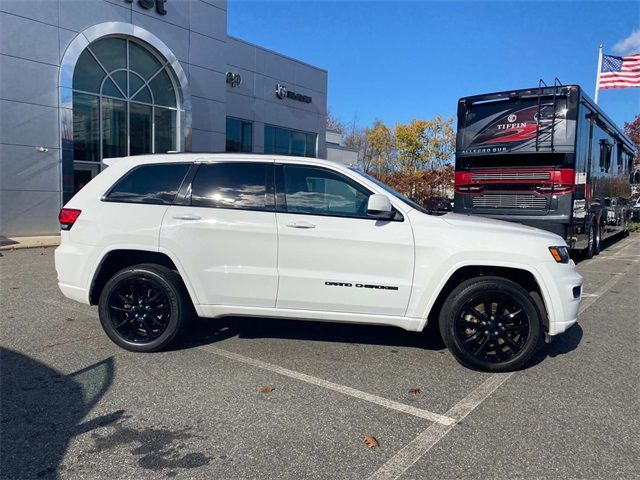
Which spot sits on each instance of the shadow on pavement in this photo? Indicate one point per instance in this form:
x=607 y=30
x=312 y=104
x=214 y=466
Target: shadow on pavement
x=206 y=331
x=564 y=343
x=42 y=411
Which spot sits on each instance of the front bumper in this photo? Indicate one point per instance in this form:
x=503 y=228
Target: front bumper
x=564 y=289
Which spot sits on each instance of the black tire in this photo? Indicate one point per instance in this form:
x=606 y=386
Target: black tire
x=511 y=337
x=598 y=239
x=144 y=308
x=589 y=252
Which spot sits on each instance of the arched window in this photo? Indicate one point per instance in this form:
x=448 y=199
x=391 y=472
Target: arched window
x=124 y=103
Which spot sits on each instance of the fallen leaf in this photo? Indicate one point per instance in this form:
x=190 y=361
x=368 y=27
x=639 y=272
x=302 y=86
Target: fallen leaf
x=415 y=390
x=370 y=441
x=265 y=389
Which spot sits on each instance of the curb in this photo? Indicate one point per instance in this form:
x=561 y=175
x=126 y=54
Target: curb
x=31 y=242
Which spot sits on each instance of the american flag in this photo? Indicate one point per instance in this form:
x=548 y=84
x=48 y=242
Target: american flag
x=619 y=72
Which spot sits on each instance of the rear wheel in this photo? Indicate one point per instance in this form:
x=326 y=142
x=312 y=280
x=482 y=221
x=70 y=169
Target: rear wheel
x=143 y=308
x=598 y=238
x=491 y=324
x=593 y=239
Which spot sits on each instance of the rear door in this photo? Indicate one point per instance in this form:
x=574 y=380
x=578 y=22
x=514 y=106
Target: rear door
x=224 y=234
x=332 y=256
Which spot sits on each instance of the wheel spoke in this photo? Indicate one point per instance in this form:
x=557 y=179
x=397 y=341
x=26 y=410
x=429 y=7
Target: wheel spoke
x=498 y=349
x=482 y=346
x=513 y=346
x=516 y=328
x=513 y=315
x=127 y=301
x=122 y=323
x=472 y=338
x=120 y=309
x=474 y=312
x=500 y=305
x=487 y=305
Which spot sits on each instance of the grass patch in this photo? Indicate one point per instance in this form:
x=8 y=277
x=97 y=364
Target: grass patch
x=634 y=227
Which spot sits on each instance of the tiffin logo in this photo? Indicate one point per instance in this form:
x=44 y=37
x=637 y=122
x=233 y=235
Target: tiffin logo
x=512 y=118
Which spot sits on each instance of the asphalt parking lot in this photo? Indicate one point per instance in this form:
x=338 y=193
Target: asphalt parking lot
x=74 y=405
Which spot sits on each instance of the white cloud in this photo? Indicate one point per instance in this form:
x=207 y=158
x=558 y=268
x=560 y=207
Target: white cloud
x=631 y=44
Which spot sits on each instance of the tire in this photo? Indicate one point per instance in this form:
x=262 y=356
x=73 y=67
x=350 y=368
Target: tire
x=518 y=325
x=589 y=252
x=598 y=239
x=144 y=308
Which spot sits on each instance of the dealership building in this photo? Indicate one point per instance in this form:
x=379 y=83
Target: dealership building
x=83 y=80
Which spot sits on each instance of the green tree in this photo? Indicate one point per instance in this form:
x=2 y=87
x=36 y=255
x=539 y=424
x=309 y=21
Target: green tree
x=424 y=144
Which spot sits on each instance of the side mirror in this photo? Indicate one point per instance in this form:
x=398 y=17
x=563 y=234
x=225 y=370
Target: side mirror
x=379 y=206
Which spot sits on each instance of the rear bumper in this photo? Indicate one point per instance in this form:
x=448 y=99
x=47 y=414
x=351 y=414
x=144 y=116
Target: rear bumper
x=74 y=266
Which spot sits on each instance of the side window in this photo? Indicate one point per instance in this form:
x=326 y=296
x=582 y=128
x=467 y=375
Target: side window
x=156 y=184
x=230 y=185
x=323 y=192
x=605 y=155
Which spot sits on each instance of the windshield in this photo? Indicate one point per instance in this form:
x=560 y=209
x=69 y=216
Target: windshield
x=390 y=190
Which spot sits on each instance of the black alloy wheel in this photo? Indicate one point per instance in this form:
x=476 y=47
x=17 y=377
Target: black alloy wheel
x=143 y=307
x=139 y=309
x=491 y=324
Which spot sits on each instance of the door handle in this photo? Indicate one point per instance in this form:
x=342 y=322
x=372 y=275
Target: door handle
x=187 y=216
x=301 y=225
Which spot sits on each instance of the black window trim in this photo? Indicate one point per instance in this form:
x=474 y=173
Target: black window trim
x=281 y=199
x=105 y=196
x=269 y=186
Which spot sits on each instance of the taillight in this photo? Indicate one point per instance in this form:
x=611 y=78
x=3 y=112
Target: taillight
x=67 y=217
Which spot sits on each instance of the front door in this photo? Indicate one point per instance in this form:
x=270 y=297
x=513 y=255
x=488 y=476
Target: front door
x=331 y=255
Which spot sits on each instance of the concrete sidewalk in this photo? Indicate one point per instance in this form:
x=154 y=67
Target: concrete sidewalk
x=32 y=242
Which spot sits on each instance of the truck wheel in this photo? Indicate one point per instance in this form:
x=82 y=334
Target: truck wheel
x=598 y=238
x=491 y=324
x=143 y=308
x=589 y=252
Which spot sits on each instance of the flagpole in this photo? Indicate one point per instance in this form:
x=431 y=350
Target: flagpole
x=595 y=99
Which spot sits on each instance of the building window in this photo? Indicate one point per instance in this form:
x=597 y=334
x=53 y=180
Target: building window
x=125 y=102
x=283 y=141
x=239 y=135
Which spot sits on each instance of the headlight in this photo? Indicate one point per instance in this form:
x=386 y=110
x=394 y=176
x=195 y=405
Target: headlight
x=560 y=254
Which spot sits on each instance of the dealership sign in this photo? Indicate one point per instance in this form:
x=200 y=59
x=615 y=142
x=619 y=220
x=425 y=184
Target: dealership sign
x=148 y=5
x=282 y=93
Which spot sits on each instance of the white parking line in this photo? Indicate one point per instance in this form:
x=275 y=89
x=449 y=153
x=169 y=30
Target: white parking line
x=419 y=446
x=412 y=452
x=352 y=392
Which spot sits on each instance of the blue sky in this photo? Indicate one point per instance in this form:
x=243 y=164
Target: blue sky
x=402 y=60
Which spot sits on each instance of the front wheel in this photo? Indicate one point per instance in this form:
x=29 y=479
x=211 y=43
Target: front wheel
x=143 y=308
x=491 y=324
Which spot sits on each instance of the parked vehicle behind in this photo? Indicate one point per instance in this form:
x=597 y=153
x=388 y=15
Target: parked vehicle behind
x=153 y=238
x=635 y=210
x=548 y=157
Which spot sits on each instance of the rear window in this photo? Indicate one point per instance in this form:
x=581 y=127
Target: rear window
x=230 y=185
x=155 y=184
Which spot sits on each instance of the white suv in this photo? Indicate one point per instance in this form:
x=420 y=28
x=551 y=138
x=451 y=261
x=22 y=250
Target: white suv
x=153 y=238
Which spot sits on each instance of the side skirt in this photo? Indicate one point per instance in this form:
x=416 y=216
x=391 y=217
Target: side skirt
x=217 y=311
